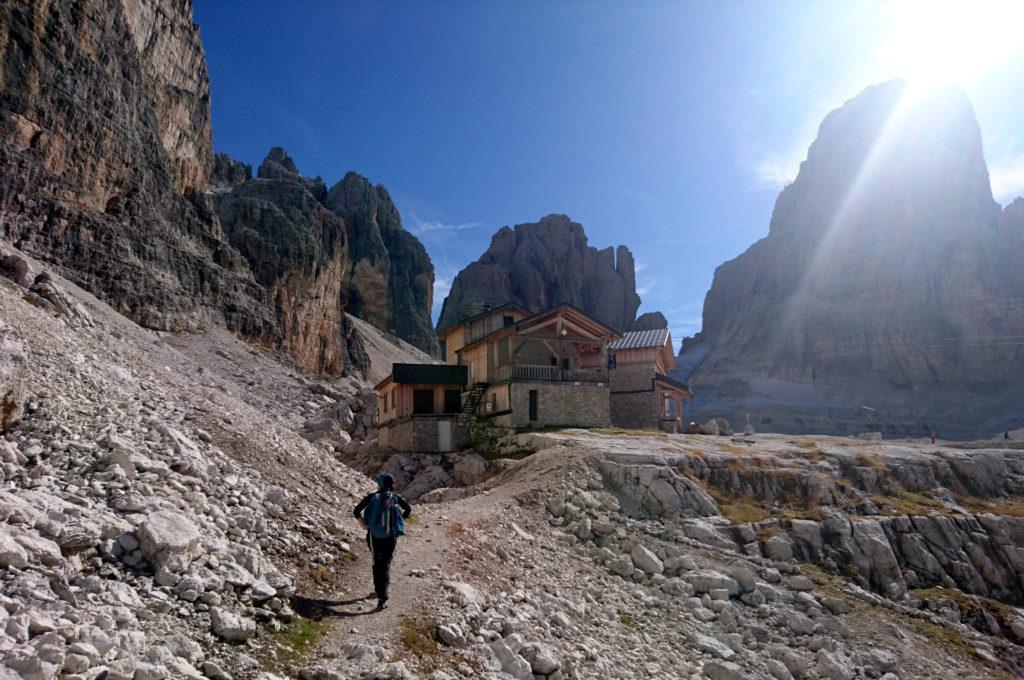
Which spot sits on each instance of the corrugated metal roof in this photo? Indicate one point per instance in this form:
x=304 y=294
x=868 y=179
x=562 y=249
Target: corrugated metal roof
x=641 y=339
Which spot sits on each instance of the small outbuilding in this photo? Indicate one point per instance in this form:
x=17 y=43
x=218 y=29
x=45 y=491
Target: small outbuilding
x=643 y=396
x=419 y=408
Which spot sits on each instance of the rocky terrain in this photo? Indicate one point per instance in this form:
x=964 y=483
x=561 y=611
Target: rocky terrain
x=109 y=175
x=176 y=505
x=541 y=265
x=889 y=279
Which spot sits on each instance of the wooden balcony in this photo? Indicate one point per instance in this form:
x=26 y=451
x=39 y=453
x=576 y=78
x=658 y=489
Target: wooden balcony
x=550 y=374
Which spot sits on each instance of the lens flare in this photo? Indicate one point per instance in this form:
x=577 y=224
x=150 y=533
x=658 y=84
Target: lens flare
x=945 y=40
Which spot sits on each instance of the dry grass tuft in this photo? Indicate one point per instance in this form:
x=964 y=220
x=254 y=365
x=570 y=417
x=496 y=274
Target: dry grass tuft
x=871 y=460
x=1008 y=507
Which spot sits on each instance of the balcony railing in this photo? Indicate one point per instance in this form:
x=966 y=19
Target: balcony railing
x=550 y=373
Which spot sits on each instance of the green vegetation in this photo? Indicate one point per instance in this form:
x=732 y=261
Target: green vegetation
x=627 y=621
x=299 y=638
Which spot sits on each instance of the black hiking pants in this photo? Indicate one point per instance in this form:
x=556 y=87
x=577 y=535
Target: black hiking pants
x=383 y=550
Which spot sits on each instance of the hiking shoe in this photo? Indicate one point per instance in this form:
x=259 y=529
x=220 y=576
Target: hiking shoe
x=381 y=603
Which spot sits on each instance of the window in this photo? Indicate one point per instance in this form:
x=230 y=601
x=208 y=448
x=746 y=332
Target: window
x=565 y=363
x=443 y=346
x=508 y=321
x=422 y=401
x=452 y=401
x=533 y=406
x=554 y=361
x=611 y=360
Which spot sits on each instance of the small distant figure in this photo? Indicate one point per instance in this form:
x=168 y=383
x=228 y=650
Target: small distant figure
x=1006 y=435
x=933 y=436
x=383 y=514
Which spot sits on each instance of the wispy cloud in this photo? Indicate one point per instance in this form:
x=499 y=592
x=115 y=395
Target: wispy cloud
x=775 y=172
x=1007 y=176
x=436 y=226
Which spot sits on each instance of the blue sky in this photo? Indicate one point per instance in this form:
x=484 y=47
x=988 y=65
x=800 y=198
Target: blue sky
x=668 y=127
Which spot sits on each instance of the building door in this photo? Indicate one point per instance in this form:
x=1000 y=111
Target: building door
x=533 y=406
x=444 y=435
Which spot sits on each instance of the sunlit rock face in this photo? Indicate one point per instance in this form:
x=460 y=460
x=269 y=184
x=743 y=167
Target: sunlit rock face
x=886 y=281
x=544 y=264
x=109 y=176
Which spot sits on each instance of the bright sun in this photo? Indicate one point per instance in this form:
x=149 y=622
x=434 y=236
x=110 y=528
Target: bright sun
x=948 y=40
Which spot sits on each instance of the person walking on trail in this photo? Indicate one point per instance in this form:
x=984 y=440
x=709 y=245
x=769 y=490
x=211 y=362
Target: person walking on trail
x=383 y=514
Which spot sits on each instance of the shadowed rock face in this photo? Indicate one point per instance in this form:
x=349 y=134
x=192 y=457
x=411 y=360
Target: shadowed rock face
x=649 y=321
x=392 y=278
x=541 y=265
x=347 y=242
x=888 y=279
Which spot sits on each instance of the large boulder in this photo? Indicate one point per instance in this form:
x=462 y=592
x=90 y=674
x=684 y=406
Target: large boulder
x=168 y=540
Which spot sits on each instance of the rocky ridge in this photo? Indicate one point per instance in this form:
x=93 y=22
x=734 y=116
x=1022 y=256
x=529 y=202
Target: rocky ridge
x=888 y=279
x=544 y=264
x=107 y=160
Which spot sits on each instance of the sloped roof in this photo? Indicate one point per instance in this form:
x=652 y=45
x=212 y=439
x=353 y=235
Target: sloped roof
x=480 y=315
x=430 y=374
x=672 y=382
x=641 y=339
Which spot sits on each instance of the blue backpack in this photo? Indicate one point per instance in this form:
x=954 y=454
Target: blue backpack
x=383 y=516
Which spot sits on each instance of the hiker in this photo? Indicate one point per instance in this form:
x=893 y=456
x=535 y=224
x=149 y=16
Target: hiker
x=383 y=514
x=933 y=436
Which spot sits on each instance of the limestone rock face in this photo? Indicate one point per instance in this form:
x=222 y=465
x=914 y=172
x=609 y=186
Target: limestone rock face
x=649 y=321
x=109 y=175
x=544 y=264
x=104 y=146
x=321 y=253
x=297 y=250
x=391 y=282
x=889 y=279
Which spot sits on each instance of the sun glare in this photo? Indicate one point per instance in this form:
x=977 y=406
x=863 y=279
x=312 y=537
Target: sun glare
x=948 y=40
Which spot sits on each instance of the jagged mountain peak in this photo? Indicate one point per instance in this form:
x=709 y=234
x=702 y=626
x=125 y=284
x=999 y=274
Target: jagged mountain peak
x=883 y=281
x=542 y=264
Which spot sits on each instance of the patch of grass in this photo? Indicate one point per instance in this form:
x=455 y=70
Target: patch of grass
x=299 y=638
x=909 y=503
x=457 y=530
x=871 y=460
x=627 y=621
x=419 y=637
x=327 y=576
x=743 y=511
x=1010 y=507
x=967 y=602
x=732 y=448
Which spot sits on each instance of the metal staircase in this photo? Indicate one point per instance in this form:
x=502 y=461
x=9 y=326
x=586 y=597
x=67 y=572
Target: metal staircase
x=472 y=403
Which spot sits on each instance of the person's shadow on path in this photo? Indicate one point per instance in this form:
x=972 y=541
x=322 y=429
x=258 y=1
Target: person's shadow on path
x=317 y=609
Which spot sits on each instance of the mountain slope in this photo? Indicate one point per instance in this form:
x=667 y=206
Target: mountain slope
x=885 y=281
